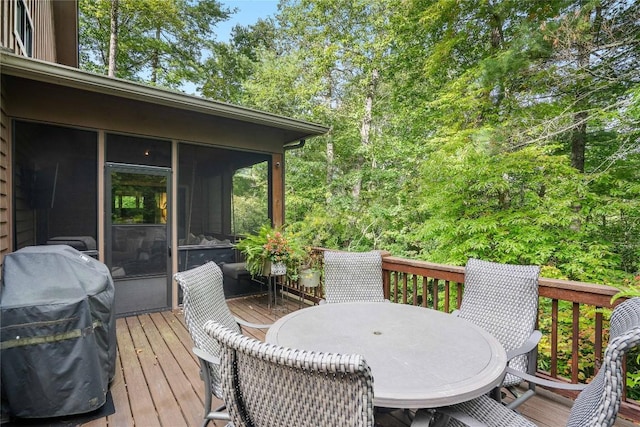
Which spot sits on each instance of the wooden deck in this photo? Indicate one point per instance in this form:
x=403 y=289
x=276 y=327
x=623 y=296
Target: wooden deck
x=157 y=379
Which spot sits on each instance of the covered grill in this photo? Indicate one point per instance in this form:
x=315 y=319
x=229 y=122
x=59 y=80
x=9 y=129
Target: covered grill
x=57 y=329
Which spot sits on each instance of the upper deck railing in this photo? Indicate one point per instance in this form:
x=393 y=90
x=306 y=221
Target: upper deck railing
x=572 y=316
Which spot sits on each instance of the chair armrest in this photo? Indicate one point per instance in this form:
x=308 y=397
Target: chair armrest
x=251 y=325
x=545 y=383
x=527 y=346
x=207 y=357
x=219 y=416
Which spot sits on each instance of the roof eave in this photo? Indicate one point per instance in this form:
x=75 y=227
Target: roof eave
x=71 y=77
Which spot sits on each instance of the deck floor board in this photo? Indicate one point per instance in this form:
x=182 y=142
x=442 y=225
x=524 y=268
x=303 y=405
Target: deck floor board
x=165 y=403
x=177 y=379
x=122 y=417
x=184 y=359
x=157 y=380
x=141 y=404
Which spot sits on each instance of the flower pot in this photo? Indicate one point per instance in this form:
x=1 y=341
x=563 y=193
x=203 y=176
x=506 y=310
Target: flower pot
x=309 y=278
x=274 y=268
x=266 y=268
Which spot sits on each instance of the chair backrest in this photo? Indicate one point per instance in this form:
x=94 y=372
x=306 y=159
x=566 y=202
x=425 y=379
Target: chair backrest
x=203 y=300
x=353 y=276
x=599 y=402
x=503 y=300
x=265 y=385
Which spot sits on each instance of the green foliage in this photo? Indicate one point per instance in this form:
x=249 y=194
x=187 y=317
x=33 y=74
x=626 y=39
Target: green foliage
x=630 y=289
x=633 y=374
x=159 y=41
x=250 y=193
x=252 y=247
x=232 y=64
x=270 y=244
x=517 y=207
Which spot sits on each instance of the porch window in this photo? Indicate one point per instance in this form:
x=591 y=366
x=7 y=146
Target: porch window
x=24 y=29
x=55 y=186
x=250 y=197
x=221 y=193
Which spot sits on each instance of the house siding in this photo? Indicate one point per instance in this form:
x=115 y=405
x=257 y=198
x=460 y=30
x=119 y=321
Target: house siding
x=41 y=13
x=6 y=25
x=7 y=22
x=5 y=179
x=44 y=34
x=44 y=48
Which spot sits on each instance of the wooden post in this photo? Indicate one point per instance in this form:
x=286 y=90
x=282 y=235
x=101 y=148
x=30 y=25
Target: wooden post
x=277 y=189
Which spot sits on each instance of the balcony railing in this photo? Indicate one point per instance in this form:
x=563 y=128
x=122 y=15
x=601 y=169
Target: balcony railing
x=572 y=316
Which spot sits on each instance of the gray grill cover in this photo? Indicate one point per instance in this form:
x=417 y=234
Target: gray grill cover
x=57 y=332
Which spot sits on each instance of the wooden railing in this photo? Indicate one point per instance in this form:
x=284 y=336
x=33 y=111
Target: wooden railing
x=572 y=316
x=441 y=287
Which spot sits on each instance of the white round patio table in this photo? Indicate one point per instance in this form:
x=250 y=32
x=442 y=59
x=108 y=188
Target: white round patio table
x=419 y=357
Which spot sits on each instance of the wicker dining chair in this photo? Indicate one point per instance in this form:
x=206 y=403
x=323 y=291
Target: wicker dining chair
x=352 y=277
x=203 y=300
x=265 y=385
x=597 y=404
x=503 y=300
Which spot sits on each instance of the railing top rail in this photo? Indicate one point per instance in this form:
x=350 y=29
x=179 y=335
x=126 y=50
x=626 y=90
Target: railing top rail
x=568 y=290
x=593 y=288
x=580 y=292
x=393 y=260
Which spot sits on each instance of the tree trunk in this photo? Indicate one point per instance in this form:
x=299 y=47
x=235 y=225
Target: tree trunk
x=497 y=42
x=113 y=39
x=579 y=133
x=330 y=168
x=579 y=140
x=365 y=131
x=365 y=128
x=330 y=148
x=155 y=61
x=497 y=34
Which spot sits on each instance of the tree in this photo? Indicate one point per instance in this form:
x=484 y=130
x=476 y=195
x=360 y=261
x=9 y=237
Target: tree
x=232 y=64
x=345 y=43
x=508 y=81
x=593 y=47
x=157 y=41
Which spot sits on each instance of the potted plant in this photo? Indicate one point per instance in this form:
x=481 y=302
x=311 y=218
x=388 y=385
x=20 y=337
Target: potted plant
x=267 y=253
x=311 y=268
